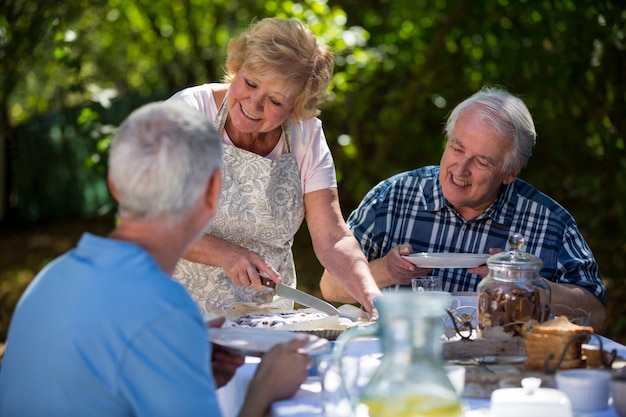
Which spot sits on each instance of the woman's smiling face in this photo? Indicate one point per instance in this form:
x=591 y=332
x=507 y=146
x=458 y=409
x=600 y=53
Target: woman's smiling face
x=258 y=104
x=472 y=165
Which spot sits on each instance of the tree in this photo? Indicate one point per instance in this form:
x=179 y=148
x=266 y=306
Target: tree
x=27 y=32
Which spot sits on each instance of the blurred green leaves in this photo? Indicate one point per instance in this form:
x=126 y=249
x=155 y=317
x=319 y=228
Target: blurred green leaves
x=400 y=67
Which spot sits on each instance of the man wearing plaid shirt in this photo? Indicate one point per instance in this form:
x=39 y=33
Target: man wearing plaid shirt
x=473 y=202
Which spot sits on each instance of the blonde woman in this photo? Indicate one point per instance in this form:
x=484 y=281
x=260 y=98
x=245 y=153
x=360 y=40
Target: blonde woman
x=278 y=171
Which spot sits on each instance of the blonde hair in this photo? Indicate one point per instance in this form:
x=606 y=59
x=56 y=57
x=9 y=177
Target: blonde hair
x=285 y=48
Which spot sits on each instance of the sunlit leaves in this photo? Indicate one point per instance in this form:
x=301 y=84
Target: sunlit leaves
x=87 y=116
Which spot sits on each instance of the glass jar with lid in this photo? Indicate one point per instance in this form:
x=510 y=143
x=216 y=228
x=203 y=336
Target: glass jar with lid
x=512 y=294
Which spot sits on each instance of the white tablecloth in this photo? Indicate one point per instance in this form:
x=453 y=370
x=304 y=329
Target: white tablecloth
x=230 y=396
x=307 y=401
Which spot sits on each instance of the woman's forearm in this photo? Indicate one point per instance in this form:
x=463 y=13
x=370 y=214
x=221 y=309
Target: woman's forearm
x=208 y=250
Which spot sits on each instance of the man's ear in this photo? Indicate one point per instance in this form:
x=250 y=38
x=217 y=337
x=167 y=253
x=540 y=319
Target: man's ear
x=509 y=179
x=112 y=188
x=212 y=192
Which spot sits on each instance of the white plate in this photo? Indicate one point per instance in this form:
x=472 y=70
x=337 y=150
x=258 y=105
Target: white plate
x=249 y=341
x=447 y=260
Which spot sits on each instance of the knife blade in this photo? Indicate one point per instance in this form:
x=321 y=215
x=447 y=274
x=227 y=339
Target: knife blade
x=300 y=297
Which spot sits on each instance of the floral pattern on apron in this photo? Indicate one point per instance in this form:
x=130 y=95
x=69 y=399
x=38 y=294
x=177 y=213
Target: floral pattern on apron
x=261 y=208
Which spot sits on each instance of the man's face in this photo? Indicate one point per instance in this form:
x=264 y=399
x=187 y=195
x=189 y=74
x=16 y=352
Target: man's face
x=471 y=166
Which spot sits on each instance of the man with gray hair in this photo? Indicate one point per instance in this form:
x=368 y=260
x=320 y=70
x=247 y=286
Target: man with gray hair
x=103 y=330
x=473 y=202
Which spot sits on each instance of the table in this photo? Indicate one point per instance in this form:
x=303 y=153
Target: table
x=307 y=401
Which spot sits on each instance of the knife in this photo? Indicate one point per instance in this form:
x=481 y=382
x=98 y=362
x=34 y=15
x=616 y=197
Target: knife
x=300 y=297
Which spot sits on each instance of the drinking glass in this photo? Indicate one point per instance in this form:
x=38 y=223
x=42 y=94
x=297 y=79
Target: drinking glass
x=427 y=283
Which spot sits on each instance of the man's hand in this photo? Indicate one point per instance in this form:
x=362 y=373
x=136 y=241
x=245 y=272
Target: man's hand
x=279 y=375
x=483 y=270
x=223 y=362
x=399 y=270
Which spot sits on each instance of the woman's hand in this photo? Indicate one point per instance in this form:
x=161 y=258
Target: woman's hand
x=244 y=268
x=240 y=264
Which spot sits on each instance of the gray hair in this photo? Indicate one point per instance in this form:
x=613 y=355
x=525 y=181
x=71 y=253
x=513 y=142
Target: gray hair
x=161 y=159
x=507 y=115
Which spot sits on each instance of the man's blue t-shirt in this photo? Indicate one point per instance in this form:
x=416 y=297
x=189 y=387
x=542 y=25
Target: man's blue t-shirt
x=102 y=331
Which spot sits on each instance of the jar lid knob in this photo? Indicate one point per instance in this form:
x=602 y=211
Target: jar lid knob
x=515 y=257
x=531 y=385
x=516 y=241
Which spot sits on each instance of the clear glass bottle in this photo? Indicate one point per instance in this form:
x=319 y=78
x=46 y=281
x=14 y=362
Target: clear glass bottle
x=512 y=294
x=411 y=380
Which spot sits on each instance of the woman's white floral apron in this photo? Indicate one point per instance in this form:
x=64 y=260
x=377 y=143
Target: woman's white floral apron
x=261 y=208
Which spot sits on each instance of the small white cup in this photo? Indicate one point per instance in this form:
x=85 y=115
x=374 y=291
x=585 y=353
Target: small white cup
x=427 y=283
x=618 y=389
x=587 y=389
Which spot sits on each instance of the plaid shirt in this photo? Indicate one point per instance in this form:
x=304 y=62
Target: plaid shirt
x=410 y=208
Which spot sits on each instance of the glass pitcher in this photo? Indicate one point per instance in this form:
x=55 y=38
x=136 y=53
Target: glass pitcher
x=411 y=380
x=512 y=293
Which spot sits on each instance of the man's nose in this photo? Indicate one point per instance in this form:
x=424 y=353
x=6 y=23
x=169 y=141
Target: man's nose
x=463 y=165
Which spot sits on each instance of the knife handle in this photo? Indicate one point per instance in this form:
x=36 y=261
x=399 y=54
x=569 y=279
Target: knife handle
x=267 y=281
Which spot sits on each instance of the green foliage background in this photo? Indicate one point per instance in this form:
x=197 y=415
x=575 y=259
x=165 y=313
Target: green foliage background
x=70 y=71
